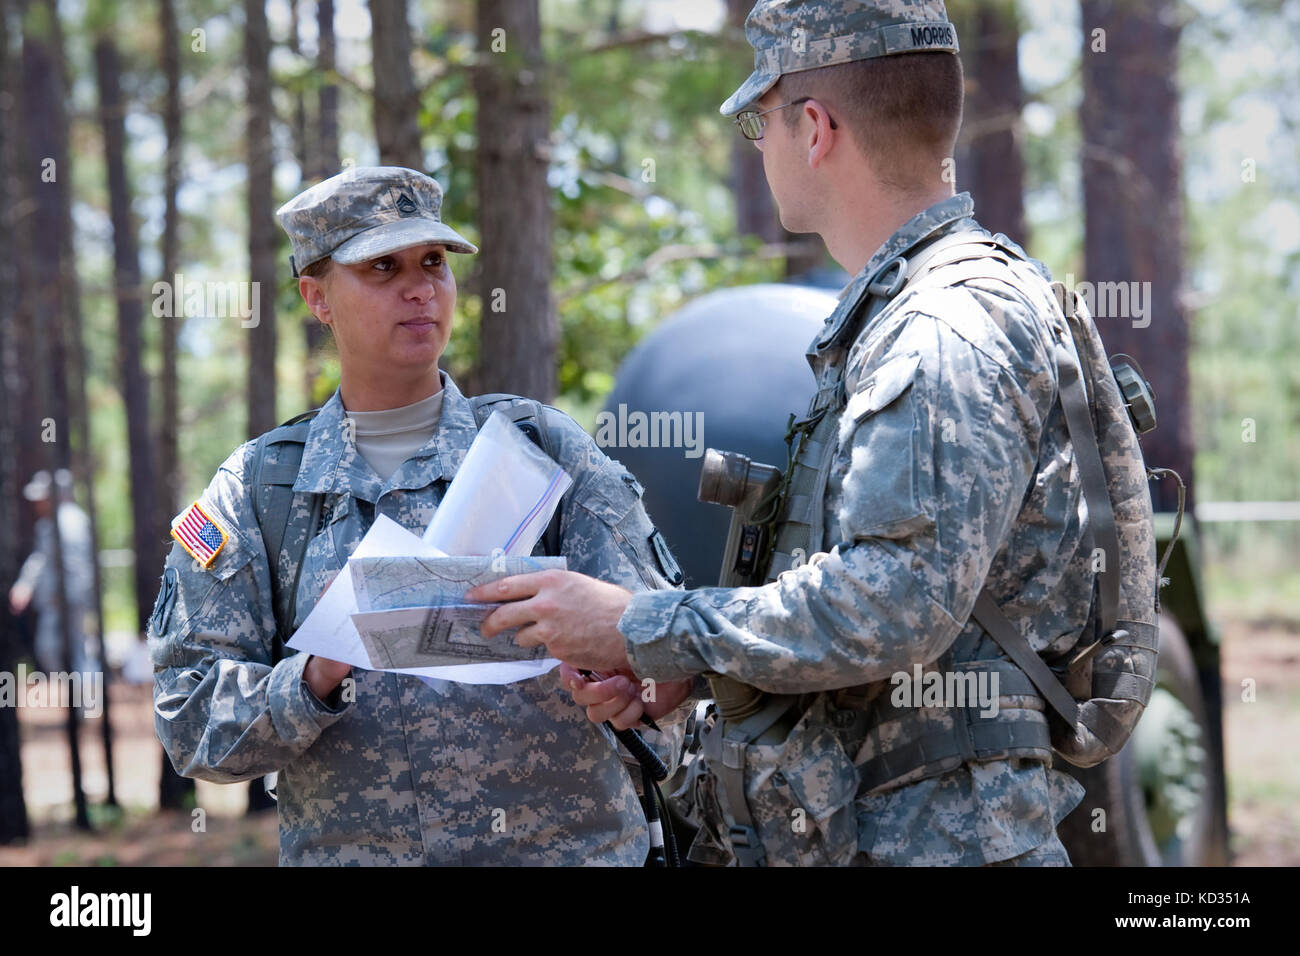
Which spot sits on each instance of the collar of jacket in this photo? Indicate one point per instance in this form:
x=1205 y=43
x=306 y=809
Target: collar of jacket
x=332 y=464
x=925 y=225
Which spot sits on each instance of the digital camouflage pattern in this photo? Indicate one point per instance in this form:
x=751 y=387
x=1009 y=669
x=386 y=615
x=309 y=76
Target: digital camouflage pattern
x=793 y=35
x=365 y=212
x=956 y=474
x=406 y=773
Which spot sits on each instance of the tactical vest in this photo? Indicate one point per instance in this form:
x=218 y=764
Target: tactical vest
x=1109 y=674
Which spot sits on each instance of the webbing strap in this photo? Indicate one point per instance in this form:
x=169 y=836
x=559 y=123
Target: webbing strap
x=961 y=719
x=1074 y=403
x=273 y=505
x=801 y=527
x=1011 y=682
x=954 y=248
x=952 y=259
x=1083 y=439
x=941 y=750
x=946 y=251
x=1078 y=420
x=780 y=563
x=798 y=508
x=1122 y=686
x=1006 y=636
x=975 y=737
x=723 y=747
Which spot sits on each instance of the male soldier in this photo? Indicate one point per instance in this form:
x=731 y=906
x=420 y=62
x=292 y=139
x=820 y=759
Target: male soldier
x=383 y=768
x=37 y=583
x=935 y=465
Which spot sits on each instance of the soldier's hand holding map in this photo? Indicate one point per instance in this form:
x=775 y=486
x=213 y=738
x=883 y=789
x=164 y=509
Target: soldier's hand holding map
x=412 y=611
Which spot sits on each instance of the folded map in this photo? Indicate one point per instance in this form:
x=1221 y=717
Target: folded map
x=413 y=611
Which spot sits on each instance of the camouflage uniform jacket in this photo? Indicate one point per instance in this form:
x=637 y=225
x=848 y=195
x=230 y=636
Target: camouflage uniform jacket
x=958 y=475
x=406 y=773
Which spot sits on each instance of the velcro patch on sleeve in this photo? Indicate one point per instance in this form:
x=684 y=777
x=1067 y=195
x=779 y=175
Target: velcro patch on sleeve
x=883 y=387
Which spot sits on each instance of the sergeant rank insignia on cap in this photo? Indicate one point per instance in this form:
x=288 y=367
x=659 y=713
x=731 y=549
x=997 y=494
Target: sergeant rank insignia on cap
x=198 y=534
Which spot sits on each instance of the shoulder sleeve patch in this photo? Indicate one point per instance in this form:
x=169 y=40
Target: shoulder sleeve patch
x=199 y=534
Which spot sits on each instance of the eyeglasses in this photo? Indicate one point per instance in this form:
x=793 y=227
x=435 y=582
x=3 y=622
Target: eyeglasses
x=751 y=122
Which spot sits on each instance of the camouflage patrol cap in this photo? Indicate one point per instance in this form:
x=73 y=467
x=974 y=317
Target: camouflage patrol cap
x=793 y=35
x=365 y=212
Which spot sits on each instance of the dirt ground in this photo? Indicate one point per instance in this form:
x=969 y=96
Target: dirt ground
x=219 y=834
x=1260 y=740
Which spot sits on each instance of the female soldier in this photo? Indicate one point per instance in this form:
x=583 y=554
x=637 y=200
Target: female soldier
x=385 y=768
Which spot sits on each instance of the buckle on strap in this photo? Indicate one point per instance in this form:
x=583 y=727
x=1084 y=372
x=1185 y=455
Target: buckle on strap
x=725 y=758
x=697 y=726
x=733 y=754
x=718 y=748
x=745 y=846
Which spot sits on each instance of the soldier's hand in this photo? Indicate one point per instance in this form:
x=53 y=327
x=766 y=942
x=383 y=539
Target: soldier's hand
x=20 y=595
x=621 y=698
x=575 y=616
x=324 y=675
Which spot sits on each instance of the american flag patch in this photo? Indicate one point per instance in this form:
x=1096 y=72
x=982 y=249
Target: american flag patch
x=198 y=534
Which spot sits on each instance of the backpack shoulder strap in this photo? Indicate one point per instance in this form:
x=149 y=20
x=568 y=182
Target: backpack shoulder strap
x=276 y=459
x=527 y=413
x=530 y=416
x=1077 y=403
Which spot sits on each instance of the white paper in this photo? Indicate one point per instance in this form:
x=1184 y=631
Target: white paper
x=328 y=630
x=502 y=497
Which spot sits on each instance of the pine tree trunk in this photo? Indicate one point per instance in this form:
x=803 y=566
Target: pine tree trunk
x=992 y=166
x=46 y=288
x=299 y=122
x=148 y=539
x=755 y=209
x=13 y=382
x=756 y=212
x=323 y=162
x=518 y=331
x=168 y=431
x=1132 y=178
x=397 y=103
x=327 y=153
x=261 y=245
x=173 y=789
x=261 y=222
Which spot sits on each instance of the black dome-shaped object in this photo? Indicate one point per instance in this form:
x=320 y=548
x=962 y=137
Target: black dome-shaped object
x=737 y=357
